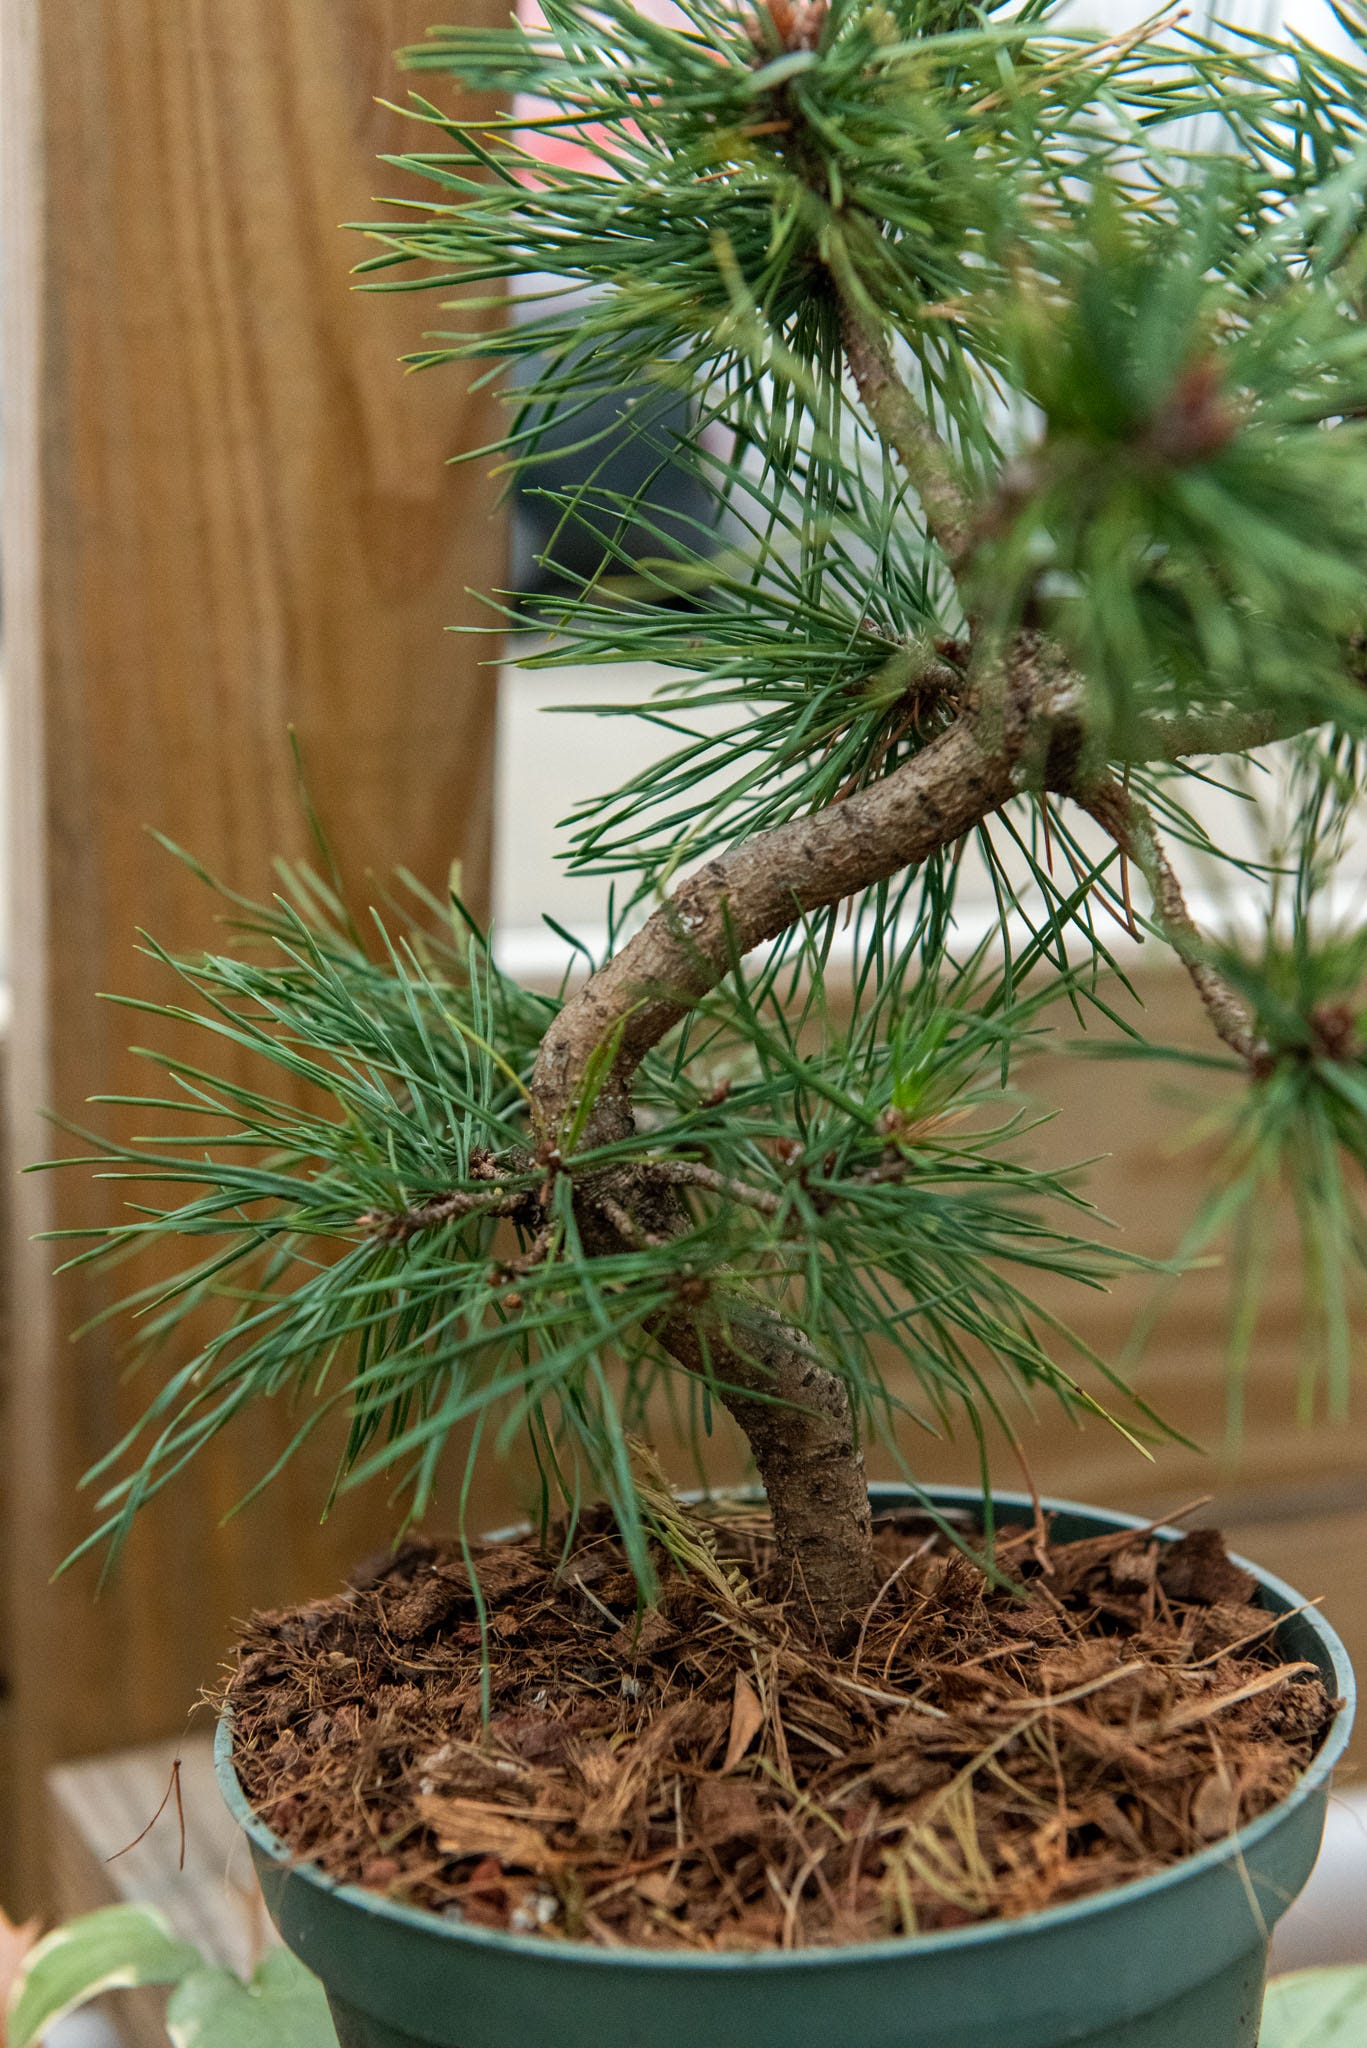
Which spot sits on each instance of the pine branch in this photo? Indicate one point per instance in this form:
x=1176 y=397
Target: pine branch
x=736 y=902
x=905 y=428
x=1187 y=735
x=397 y=1226
x=765 y=884
x=689 y=1173
x=1131 y=826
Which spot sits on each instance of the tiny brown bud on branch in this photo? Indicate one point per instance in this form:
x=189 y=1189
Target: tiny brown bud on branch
x=1196 y=420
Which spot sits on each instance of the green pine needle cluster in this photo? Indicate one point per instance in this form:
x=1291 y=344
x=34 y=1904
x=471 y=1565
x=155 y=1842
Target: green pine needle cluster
x=1119 y=284
x=1197 y=535
x=868 y=1176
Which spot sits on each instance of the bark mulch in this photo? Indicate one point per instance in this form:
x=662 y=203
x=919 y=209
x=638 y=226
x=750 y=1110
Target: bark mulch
x=699 y=1775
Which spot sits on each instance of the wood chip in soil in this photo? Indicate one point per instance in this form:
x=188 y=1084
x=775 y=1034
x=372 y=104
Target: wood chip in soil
x=698 y=1775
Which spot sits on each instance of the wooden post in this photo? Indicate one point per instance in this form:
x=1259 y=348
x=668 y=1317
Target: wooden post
x=226 y=512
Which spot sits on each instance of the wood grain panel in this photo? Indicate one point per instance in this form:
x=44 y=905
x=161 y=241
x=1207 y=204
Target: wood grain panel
x=1137 y=1123
x=227 y=511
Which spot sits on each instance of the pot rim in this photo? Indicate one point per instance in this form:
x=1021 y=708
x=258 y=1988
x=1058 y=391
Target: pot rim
x=1231 y=1849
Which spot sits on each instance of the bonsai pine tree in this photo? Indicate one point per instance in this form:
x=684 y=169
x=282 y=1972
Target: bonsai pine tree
x=1029 y=376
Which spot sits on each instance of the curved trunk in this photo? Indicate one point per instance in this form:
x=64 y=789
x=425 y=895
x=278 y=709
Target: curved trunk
x=796 y=1418
x=793 y=1410
x=795 y=1413
x=746 y=896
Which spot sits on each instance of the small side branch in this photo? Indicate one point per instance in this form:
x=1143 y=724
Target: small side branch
x=1130 y=824
x=904 y=427
x=397 y=1226
x=1178 y=738
x=690 y=1173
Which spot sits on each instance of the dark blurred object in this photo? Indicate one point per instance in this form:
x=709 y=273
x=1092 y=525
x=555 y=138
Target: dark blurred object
x=620 y=442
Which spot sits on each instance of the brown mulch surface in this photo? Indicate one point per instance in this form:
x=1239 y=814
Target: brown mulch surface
x=698 y=1775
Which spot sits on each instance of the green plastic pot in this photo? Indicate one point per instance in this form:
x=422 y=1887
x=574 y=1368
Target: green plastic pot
x=1171 y=1961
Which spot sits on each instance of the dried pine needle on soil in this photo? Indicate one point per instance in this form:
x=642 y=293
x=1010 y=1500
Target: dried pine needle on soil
x=697 y=1775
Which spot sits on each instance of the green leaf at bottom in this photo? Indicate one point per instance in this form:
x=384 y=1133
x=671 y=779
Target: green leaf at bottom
x=109 y=1950
x=1316 y=2009
x=282 y=2007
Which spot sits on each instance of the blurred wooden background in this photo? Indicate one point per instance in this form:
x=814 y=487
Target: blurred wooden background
x=225 y=512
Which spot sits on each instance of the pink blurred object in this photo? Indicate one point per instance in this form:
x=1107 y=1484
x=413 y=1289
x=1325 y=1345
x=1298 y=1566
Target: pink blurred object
x=565 y=151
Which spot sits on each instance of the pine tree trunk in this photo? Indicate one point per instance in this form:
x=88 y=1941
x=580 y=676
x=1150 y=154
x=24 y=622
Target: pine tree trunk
x=795 y=1413
x=798 y=1424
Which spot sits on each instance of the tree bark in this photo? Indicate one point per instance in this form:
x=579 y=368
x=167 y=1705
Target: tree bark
x=794 y=1412
x=746 y=896
x=1131 y=826
x=796 y=1418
